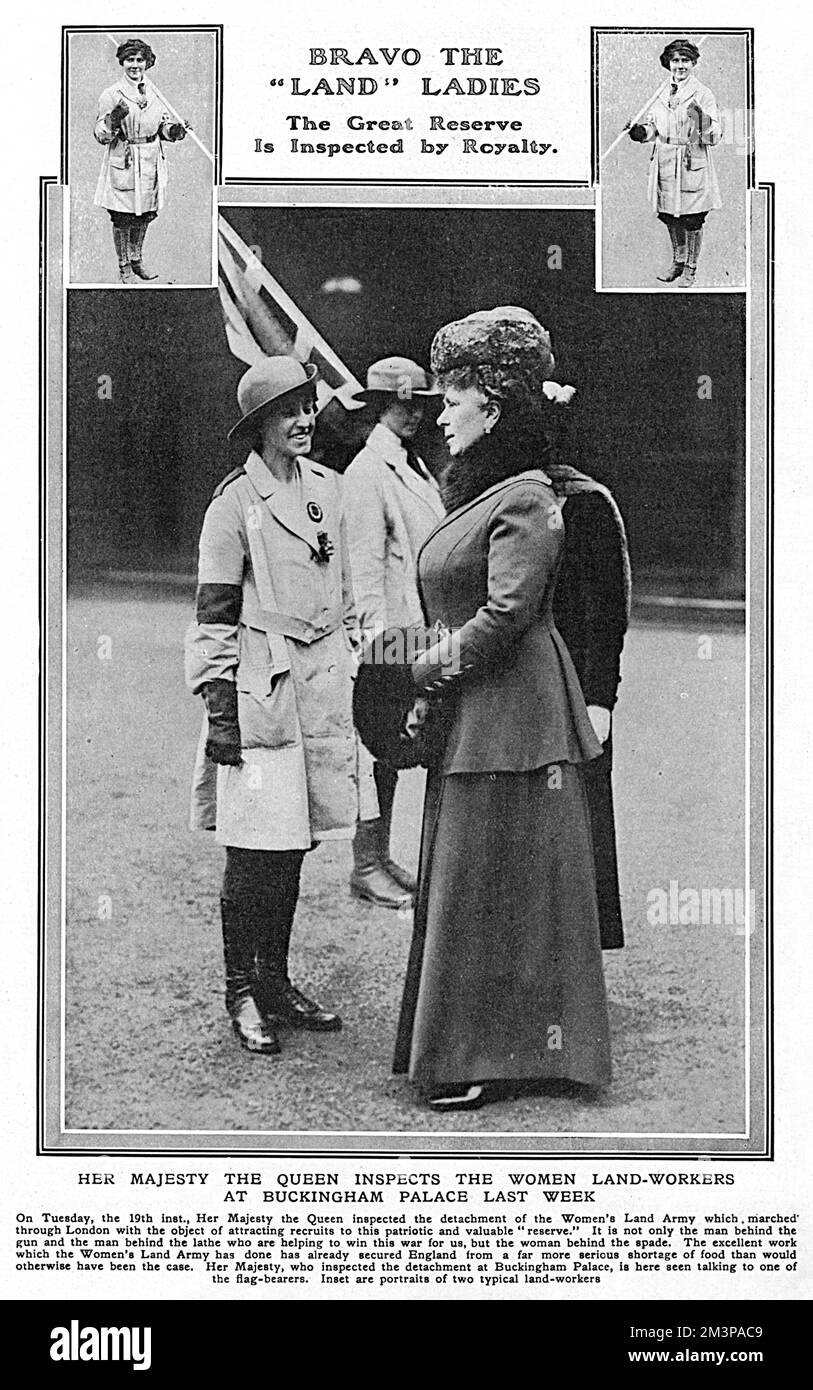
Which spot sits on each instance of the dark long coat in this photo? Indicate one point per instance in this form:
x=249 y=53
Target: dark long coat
x=505 y=978
x=590 y=608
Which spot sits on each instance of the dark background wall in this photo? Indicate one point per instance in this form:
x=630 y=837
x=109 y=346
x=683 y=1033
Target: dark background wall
x=142 y=465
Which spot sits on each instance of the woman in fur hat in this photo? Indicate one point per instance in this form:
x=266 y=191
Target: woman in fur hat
x=504 y=987
x=683 y=124
x=133 y=125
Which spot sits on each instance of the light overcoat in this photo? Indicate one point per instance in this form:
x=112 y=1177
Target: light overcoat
x=133 y=176
x=290 y=654
x=682 y=177
x=390 y=511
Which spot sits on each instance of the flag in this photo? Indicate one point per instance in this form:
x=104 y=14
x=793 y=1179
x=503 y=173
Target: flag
x=263 y=321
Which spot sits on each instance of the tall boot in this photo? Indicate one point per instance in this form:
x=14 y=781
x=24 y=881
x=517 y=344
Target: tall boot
x=138 y=231
x=386 y=780
x=370 y=880
x=279 y=1000
x=121 y=241
x=252 y=1030
x=677 y=237
x=695 y=240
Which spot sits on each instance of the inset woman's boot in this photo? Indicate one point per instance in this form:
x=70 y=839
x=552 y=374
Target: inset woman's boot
x=695 y=239
x=138 y=231
x=252 y=1030
x=678 y=239
x=121 y=242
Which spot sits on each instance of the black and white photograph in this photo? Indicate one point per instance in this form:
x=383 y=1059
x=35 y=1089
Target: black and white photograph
x=422 y=578
x=406 y=771
x=674 y=141
x=141 y=122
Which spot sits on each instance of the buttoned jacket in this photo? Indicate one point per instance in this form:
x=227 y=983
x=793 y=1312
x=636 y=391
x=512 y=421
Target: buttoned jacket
x=487 y=573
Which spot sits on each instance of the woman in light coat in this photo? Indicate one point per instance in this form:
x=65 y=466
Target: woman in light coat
x=271 y=651
x=133 y=125
x=683 y=123
x=391 y=502
x=504 y=985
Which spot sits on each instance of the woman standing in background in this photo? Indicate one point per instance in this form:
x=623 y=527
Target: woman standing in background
x=591 y=607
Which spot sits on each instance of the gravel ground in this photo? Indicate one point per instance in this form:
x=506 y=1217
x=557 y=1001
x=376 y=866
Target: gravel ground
x=148 y=1046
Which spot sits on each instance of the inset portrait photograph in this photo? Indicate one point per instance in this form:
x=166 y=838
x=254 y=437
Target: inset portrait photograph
x=141 y=161
x=673 y=140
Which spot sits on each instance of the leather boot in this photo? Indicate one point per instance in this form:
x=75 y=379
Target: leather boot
x=695 y=239
x=677 y=239
x=279 y=1000
x=370 y=880
x=252 y=1030
x=137 y=235
x=122 y=245
x=385 y=781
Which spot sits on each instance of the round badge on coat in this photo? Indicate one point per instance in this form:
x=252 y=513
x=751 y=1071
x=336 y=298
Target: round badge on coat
x=315 y=511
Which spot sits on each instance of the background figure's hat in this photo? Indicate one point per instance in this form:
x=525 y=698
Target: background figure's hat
x=679 y=46
x=266 y=382
x=399 y=376
x=508 y=338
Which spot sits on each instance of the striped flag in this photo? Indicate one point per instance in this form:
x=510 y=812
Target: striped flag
x=263 y=321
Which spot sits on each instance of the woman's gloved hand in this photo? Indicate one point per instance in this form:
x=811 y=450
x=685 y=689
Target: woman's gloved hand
x=177 y=131
x=118 y=115
x=223 y=744
x=416 y=718
x=637 y=133
x=600 y=719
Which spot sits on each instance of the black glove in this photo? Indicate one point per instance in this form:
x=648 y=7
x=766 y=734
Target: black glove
x=223 y=743
x=638 y=133
x=176 y=131
x=118 y=115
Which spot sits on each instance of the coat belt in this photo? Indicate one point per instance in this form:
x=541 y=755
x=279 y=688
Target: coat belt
x=286 y=625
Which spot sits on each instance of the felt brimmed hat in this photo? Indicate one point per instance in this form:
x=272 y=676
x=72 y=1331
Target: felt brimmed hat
x=397 y=376
x=506 y=338
x=679 y=46
x=263 y=384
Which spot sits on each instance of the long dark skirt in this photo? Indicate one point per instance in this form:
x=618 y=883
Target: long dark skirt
x=505 y=976
x=598 y=784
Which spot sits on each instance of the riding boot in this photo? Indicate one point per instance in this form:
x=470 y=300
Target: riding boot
x=677 y=237
x=695 y=239
x=370 y=879
x=252 y=1030
x=138 y=231
x=122 y=245
x=279 y=1000
x=386 y=779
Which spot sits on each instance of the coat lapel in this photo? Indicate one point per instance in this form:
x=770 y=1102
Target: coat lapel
x=302 y=514
x=537 y=474
x=382 y=442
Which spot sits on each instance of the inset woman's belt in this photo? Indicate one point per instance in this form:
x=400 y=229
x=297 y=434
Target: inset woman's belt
x=136 y=140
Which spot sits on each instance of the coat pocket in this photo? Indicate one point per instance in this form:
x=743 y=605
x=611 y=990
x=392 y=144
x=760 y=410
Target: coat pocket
x=694 y=174
x=122 y=176
x=266 y=707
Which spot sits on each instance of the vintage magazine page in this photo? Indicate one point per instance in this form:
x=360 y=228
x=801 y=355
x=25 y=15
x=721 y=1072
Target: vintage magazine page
x=407 y=819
